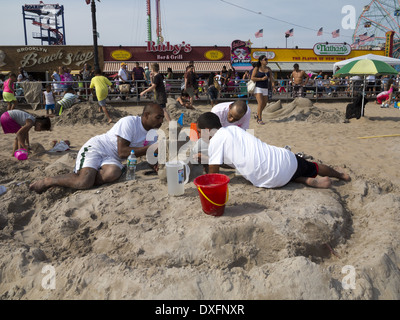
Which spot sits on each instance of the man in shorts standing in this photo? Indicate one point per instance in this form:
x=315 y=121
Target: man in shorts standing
x=297 y=78
x=101 y=84
x=99 y=160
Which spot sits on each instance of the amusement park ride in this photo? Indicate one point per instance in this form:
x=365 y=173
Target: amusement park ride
x=50 y=20
x=160 y=38
x=377 y=19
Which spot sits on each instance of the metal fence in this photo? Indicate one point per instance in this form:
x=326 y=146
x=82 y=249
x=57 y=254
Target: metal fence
x=233 y=90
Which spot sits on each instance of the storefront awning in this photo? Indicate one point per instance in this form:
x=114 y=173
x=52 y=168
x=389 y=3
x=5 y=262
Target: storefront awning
x=306 y=66
x=243 y=66
x=177 y=67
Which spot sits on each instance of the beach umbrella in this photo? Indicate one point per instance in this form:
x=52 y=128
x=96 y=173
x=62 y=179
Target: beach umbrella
x=365 y=67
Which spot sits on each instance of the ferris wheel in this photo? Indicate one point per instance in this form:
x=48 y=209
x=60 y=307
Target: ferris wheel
x=377 y=18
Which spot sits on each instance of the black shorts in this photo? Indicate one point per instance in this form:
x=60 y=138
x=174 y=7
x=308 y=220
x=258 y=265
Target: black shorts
x=305 y=169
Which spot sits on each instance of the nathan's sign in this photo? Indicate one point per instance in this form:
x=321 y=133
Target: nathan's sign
x=332 y=49
x=47 y=58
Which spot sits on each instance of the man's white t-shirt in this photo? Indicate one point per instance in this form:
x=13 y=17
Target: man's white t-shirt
x=123 y=74
x=263 y=165
x=222 y=109
x=129 y=128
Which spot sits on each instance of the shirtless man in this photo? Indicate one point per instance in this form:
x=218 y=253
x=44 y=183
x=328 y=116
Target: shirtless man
x=297 y=77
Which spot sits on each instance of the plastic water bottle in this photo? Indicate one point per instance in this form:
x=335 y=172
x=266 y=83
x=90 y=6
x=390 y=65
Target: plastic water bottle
x=131 y=166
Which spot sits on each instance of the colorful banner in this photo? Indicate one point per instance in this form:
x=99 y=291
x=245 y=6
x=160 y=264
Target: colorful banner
x=240 y=52
x=305 y=55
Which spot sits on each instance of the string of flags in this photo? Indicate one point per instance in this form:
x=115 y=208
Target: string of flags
x=290 y=33
x=360 y=41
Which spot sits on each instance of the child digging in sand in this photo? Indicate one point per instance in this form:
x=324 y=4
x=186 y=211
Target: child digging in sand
x=101 y=84
x=20 y=122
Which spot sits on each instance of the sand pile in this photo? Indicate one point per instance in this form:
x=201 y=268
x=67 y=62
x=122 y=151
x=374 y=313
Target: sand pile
x=87 y=113
x=175 y=110
x=301 y=109
x=131 y=240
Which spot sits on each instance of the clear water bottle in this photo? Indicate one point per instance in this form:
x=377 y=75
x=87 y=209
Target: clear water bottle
x=131 y=166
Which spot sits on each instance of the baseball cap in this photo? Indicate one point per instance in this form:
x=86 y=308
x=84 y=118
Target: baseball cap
x=123 y=64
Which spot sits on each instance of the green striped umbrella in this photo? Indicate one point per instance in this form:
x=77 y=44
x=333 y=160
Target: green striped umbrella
x=365 y=67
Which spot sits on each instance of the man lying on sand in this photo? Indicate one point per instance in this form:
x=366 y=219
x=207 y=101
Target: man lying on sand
x=262 y=164
x=99 y=159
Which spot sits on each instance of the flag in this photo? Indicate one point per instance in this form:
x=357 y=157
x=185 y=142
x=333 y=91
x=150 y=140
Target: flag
x=335 y=33
x=363 y=36
x=259 y=33
x=289 y=33
x=320 y=31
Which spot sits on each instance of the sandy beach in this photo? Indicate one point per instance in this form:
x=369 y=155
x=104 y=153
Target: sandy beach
x=131 y=240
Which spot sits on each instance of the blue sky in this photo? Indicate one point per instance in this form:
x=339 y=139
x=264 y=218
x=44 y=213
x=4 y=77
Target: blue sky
x=206 y=22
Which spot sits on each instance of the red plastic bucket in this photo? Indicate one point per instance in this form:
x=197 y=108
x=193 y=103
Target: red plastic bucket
x=213 y=192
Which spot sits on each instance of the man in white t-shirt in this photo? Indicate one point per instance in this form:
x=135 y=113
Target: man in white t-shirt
x=99 y=159
x=230 y=114
x=262 y=164
x=233 y=114
x=123 y=77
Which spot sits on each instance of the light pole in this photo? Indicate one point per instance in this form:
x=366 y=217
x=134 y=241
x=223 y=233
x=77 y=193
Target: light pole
x=286 y=36
x=96 y=51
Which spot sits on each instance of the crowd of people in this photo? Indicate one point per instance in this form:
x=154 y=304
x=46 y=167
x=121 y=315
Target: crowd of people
x=221 y=85
x=222 y=130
